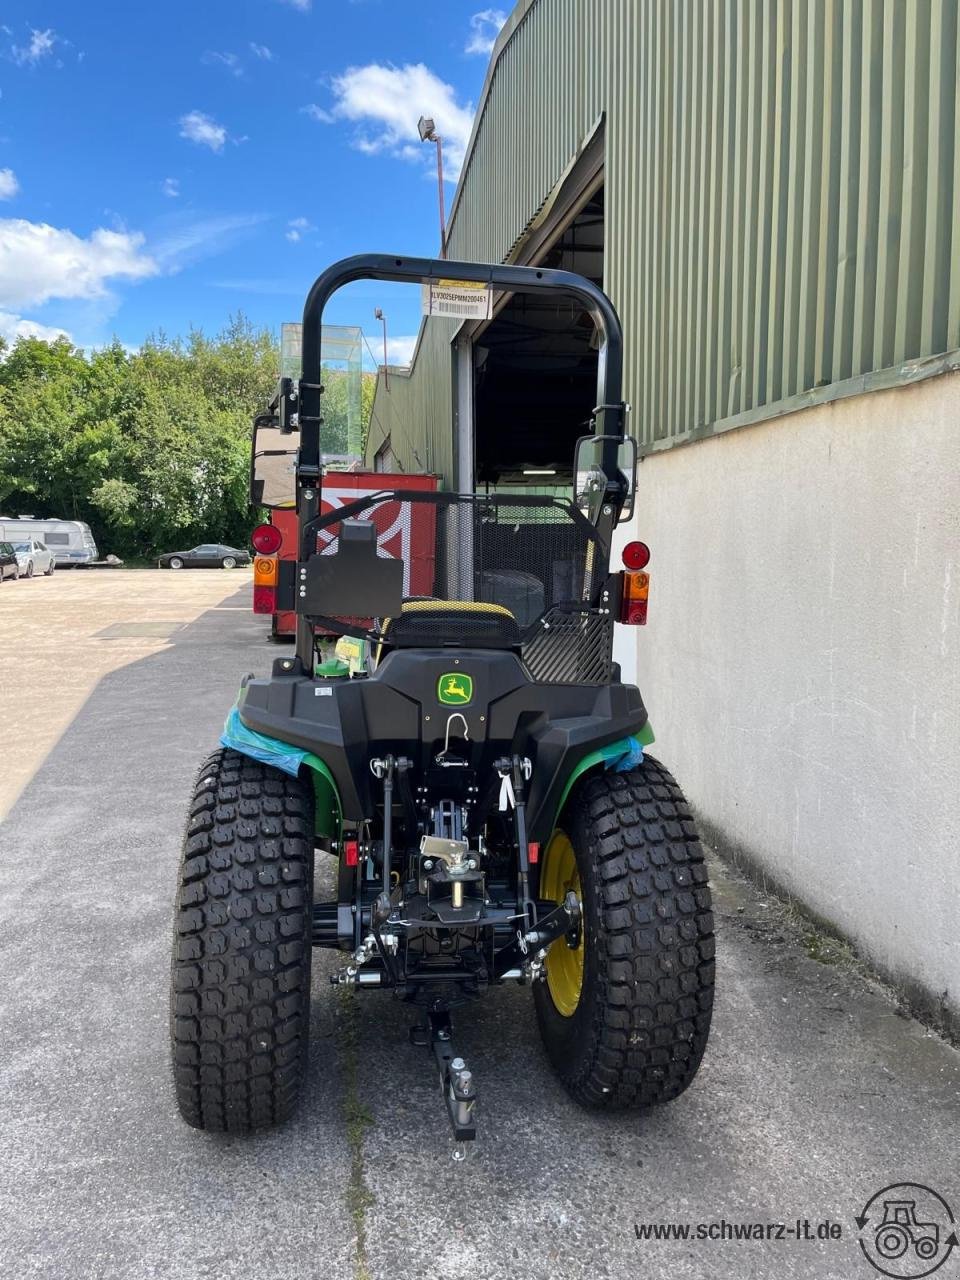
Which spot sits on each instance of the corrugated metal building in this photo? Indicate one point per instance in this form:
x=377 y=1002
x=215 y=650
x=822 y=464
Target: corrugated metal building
x=769 y=190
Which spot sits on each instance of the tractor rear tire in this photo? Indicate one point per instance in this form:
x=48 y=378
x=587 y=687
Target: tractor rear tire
x=240 y=1008
x=626 y=1026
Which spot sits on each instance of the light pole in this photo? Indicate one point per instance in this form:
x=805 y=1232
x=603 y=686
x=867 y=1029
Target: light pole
x=428 y=133
x=378 y=315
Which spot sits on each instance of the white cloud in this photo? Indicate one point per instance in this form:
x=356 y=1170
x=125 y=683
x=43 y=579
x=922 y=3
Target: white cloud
x=13 y=327
x=228 y=60
x=40 y=47
x=197 y=127
x=269 y=286
x=9 y=186
x=261 y=51
x=39 y=262
x=170 y=187
x=400 y=349
x=484 y=29
x=318 y=113
x=387 y=101
x=304 y=6
x=187 y=242
x=297 y=229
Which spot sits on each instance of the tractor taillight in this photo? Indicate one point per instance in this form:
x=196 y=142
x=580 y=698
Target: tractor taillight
x=533 y=852
x=264 y=571
x=265 y=583
x=636 y=555
x=634 y=591
x=264 y=599
x=266 y=539
x=351 y=852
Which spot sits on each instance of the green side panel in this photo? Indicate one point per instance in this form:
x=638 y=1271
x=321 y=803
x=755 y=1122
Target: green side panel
x=328 y=809
x=595 y=758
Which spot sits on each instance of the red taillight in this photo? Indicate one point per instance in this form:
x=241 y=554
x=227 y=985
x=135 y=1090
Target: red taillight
x=533 y=852
x=636 y=555
x=634 y=590
x=264 y=599
x=351 y=852
x=266 y=539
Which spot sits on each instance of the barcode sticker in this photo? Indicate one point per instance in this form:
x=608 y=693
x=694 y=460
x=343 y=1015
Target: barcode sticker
x=466 y=299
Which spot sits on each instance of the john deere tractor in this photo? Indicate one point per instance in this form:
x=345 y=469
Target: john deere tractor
x=480 y=776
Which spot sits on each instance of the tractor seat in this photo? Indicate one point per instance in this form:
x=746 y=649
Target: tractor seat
x=430 y=624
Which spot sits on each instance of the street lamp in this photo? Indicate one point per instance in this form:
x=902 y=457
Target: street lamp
x=428 y=133
x=378 y=315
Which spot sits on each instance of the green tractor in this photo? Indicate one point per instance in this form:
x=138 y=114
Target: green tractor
x=481 y=780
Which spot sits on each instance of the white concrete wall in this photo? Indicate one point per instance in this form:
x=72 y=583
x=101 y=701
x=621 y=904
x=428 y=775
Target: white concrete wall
x=801 y=664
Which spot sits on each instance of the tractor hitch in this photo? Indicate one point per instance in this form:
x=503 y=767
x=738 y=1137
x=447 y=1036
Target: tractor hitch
x=456 y=1080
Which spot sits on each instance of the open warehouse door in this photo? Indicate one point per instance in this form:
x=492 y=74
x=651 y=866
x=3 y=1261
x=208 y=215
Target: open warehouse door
x=534 y=364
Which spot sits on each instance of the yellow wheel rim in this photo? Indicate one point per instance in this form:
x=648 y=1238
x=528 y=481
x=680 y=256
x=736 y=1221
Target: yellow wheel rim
x=564 y=966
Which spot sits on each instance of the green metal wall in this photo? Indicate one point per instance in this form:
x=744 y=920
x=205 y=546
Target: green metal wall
x=414 y=411
x=782 y=194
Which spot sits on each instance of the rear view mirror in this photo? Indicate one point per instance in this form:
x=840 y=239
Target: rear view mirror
x=591 y=480
x=272 y=465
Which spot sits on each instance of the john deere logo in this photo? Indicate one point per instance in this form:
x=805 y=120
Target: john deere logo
x=455 y=690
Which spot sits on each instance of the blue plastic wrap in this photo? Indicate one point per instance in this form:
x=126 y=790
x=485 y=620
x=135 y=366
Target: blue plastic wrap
x=258 y=746
x=631 y=755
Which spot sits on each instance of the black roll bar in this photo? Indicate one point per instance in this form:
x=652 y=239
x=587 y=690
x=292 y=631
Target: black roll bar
x=383 y=266
x=609 y=412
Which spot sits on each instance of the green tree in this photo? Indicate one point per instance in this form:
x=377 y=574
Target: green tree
x=151 y=448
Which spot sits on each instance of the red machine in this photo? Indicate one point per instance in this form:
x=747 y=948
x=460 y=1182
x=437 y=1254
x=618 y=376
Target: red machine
x=401 y=533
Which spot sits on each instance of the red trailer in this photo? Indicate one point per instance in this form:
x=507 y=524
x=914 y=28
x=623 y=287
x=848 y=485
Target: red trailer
x=403 y=532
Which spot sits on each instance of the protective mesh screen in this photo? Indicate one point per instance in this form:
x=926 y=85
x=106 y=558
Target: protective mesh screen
x=535 y=558
x=570 y=648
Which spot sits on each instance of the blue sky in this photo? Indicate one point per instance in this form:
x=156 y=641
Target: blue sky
x=164 y=165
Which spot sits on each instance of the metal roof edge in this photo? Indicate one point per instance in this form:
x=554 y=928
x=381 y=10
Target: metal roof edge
x=507 y=32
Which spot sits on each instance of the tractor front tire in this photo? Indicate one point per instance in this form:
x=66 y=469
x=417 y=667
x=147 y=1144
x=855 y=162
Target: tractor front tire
x=240 y=1006
x=626 y=1022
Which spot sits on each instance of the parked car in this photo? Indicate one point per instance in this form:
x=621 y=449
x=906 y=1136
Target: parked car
x=211 y=555
x=34 y=557
x=9 y=564
x=70 y=540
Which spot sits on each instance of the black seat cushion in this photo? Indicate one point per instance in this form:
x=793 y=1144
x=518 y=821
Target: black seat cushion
x=429 y=624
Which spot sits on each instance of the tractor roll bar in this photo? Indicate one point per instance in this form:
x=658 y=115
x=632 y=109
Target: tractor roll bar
x=383 y=266
x=609 y=413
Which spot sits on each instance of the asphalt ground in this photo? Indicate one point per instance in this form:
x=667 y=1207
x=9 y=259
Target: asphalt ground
x=816 y=1092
